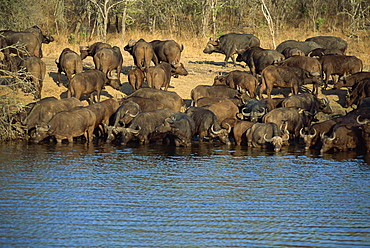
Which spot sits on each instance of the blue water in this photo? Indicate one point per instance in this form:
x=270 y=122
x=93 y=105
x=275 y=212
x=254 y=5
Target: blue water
x=207 y=195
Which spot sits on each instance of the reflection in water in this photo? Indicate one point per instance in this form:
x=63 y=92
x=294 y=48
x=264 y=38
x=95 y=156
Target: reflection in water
x=207 y=195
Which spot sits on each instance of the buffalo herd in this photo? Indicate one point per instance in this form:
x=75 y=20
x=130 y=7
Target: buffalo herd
x=239 y=108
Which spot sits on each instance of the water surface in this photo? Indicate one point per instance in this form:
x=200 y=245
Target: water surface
x=208 y=195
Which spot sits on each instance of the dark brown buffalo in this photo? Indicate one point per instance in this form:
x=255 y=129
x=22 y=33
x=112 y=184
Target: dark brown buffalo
x=223 y=109
x=146 y=104
x=143 y=126
x=265 y=135
x=272 y=103
x=142 y=52
x=179 y=128
x=109 y=61
x=351 y=80
x=330 y=42
x=67 y=125
x=305 y=46
x=307 y=63
x=346 y=135
x=239 y=80
x=168 y=98
x=207 y=125
x=230 y=44
x=103 y=112
x=365 y=132
x=210 y=100
x=216 y=91
x=290 y=52
x=295 y=119
x=42 y=111
x=122 y=117
x=253 y=110
x=308 y=102
x=312 y=138
x=287 y=77
x=339 y=65
x=125 y=113
x=239 y=130
x=258 y=58
x=136 y=78
x=92 y=49
x=86 y=82
x=70 y=63
x=319 y=52
x=159 y=76
x=361 y=90
x=26 y=42
x=37 y=70
x=43 y=36
x=167 y=51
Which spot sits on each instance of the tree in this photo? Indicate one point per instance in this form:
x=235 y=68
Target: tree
x=104 y=7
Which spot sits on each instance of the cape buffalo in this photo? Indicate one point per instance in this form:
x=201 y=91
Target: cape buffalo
x=330 y=42
x=67 y=125
x=230 y=44
x=308 y=102
x=142 y=52
x=258 y=58
x=207 y=125
x=339 y=65
x=70 y=63
x=168 y=98
x=239 y=80
x=109 y=61
x=179 y=129
x=86 y=82
x=136 y=78
x=144 y=124
x=167 y=51
x=92 y=49
x=287 y=77
x=305 y=46
x=351 y=80
x=26 y=42
x=265 y=134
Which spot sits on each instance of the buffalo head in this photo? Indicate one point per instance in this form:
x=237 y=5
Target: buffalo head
x=211 y=46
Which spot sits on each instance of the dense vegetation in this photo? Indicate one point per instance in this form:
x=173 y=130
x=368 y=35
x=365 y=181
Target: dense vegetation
x=83 y=19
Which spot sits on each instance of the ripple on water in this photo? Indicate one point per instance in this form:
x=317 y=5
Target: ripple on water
x=208 y=195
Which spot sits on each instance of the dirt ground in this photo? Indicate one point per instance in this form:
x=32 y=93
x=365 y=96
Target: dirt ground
x=202 y=69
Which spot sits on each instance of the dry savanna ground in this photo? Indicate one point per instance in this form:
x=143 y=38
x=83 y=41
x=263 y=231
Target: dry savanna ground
x=202 y=69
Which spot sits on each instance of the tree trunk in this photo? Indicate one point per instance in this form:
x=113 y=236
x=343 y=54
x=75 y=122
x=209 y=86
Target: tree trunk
x=124 y=22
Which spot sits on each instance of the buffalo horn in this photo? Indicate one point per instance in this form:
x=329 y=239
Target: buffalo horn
x=315 y=74
x=287 y=133
x=245 y=114
x=361 y=122
x=134 y=131
x=84 y=48
x=215 y=132
x=229 y=128
x=313 y=135
x=332 y=138
x=267 y=140
x=43 y=128
x=111 y=76
x=132 y=115
x=301 y=132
